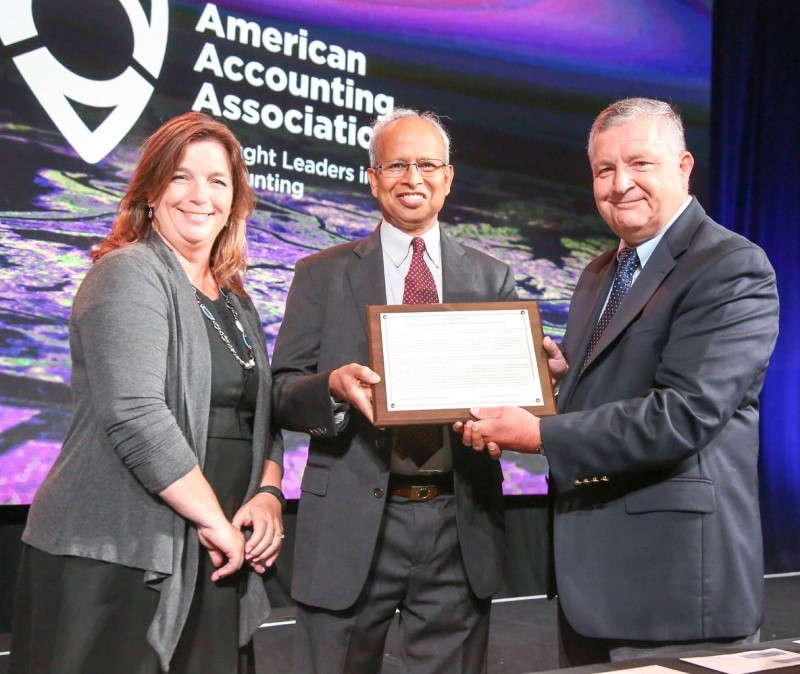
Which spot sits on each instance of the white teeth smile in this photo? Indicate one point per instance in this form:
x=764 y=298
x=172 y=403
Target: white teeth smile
x=196 y=216
x=411 y=198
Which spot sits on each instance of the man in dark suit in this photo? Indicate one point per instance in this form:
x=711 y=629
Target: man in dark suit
x=653 y=455
x=378 y=530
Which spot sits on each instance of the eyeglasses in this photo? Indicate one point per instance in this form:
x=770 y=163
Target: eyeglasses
x=396 y=168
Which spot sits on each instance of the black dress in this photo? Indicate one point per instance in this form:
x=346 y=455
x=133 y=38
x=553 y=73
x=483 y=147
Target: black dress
x=83 y=616
x=209 y=641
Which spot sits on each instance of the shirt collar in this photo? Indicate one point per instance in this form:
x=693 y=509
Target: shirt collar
x=397 y=244
x=645 y=250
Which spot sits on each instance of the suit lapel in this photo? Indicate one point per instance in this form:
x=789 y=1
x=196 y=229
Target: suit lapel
x=366 y=279
x=584 y=312
x=660 y=264
x=365 y=275
x=588 y=308
x=457 y=278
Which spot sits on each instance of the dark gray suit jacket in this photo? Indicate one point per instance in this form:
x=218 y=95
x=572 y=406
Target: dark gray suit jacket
x=345 y=479
x=653 y=455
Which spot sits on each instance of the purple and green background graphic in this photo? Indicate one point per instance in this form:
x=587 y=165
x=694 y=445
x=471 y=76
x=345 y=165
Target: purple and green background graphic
x=517 y=82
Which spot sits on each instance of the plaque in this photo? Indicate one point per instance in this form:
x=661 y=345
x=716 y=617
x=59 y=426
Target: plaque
x=436 y=361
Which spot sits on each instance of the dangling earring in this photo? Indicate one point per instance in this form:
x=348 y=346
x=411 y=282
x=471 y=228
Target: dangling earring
x=149 y=212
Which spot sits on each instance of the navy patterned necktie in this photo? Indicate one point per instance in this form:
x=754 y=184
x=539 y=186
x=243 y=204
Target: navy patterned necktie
x=627 y=261
x=418 y=443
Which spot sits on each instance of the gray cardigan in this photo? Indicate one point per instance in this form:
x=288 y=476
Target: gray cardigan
x=141 y=380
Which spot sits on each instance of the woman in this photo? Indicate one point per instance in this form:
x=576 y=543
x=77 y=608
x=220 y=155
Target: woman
x=168 y=480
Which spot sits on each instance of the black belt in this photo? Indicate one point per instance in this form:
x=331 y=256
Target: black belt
x=421 y=487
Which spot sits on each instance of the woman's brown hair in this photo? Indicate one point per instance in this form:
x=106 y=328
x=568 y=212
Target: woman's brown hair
x=161 y=153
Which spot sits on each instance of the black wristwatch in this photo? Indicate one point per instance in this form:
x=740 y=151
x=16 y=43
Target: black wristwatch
x=276 y=492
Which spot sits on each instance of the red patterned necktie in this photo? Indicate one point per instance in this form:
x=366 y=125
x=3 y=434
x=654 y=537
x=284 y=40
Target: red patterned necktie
x=420 y=288
x=418 y=443
x=627 y=260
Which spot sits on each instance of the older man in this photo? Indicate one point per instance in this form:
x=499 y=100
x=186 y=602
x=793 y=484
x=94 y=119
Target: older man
x=653 y=454
x=387 y=520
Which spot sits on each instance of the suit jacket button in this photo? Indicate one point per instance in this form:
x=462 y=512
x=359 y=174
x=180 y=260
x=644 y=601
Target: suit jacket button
x=377 y=492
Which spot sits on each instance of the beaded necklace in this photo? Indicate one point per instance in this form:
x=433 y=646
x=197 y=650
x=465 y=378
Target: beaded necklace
x=250 y=363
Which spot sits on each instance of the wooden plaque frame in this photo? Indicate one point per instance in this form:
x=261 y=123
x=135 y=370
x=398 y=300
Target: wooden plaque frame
x=386 y=417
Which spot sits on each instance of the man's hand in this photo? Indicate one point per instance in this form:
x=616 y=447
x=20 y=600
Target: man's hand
x=495 y=429
x=353 y=384
x=556 y=362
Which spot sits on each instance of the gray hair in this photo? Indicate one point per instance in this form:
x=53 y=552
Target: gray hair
x=399 y=113
x=630 y=109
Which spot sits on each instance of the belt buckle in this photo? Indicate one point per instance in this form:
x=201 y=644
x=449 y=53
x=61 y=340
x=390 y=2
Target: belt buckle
x=424 y=492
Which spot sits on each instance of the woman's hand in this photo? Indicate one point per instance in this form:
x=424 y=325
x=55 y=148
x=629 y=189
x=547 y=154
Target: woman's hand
x=225 y=545
x=192 y=497
x=262 y=514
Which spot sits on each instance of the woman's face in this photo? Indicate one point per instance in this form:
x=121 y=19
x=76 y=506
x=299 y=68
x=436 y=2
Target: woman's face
x=197 y=202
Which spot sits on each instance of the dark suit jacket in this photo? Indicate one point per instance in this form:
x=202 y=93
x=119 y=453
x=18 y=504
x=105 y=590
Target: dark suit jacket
x=653 y=456
x=345 y=479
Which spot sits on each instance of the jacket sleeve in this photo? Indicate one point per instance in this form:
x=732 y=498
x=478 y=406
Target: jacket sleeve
x=122 y=321
x=301 y=396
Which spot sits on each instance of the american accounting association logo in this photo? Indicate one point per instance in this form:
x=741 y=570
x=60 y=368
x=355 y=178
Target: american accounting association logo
x=55 y=86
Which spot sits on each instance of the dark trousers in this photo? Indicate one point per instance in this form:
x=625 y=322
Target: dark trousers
x=417 y=570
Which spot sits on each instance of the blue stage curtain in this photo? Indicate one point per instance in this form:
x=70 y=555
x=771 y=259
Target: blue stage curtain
x=755 y=190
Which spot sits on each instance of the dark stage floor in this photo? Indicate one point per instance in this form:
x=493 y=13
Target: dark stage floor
x=523 y=633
